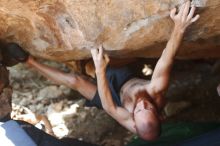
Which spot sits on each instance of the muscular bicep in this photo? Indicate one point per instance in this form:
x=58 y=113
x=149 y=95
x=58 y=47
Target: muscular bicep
x=123 y=117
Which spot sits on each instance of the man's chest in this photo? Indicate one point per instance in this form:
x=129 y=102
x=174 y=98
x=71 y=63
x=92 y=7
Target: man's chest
x=130 y=95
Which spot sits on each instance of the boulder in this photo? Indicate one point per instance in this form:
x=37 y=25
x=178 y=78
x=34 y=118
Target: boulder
x=65 y=30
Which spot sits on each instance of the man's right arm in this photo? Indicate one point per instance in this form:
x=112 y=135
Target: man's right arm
x=161 y=75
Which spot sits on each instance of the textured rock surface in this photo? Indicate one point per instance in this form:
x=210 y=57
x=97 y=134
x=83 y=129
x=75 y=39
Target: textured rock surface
x=66 y=29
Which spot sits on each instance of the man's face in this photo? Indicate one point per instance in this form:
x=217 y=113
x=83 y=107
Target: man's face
x=144 y=108
x=146 y=119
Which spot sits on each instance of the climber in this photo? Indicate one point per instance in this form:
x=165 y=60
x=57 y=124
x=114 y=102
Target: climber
x=131 y=100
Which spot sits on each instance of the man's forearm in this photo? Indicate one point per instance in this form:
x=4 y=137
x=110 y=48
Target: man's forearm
x=104 y=91
x=51 y=73
x=172 y=46
x=161 y=75
x=165 y=62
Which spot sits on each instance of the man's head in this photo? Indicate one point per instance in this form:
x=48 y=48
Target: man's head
x=147 y=120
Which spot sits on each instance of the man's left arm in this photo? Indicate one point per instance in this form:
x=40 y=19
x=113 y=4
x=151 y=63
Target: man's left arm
x=161 y=75
x=118 y=113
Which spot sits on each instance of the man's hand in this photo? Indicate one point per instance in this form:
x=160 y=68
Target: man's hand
x=184 y=18
x=100 y=60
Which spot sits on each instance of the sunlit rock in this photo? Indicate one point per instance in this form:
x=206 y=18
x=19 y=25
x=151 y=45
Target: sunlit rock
x=66 y=30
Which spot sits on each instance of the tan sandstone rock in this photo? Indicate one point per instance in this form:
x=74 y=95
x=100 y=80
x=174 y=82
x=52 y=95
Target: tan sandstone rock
x=66 y=30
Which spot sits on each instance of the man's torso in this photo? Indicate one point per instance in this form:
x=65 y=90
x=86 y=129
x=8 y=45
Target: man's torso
x=137 y=88
x=131 y=91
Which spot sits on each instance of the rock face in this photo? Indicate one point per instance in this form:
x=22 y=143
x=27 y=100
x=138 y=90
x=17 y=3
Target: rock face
x=66 y=30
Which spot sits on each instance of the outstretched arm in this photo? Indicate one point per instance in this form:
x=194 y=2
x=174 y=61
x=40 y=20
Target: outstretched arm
x=161 y=75
x=53 y=74
x=118 y=113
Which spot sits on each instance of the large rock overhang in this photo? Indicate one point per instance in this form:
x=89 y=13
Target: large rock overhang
x=65 y=30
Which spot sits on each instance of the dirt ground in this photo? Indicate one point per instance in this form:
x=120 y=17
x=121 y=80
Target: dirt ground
x=192 y=96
